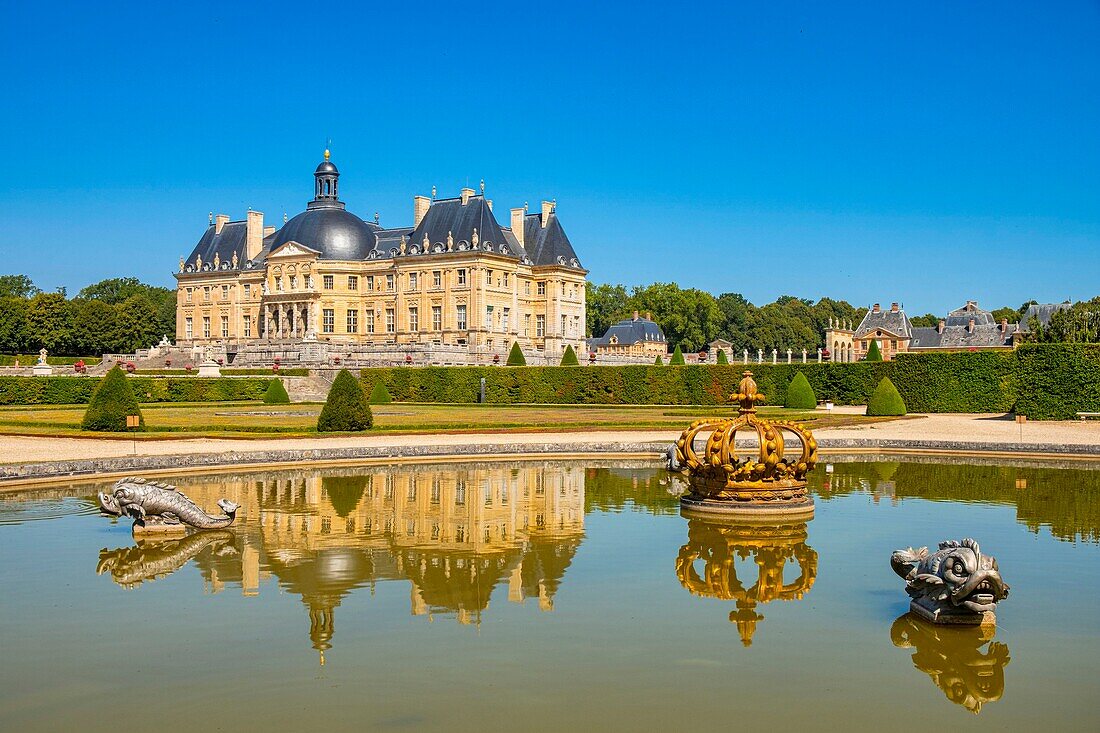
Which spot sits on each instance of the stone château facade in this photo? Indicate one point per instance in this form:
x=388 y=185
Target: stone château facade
x=455 y=279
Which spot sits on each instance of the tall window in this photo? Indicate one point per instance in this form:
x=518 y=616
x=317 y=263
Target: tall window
x=353 y=321
x=563 y=325
x=541 y=288
x=414 y=281
x=461 y=318
x=437 y=278
x=504 y=279
x=247 y=326
x=206 y=327
x=488 y=277
x=225 y=292
x=225 y=327
x=326 y=280
x=353 y=282
x=188 y=327
x=389 y=282
x=328 y=320
x=437 y=318
x=390 y=323
x=526 y=324
x=504 y=320
x=370 y=320
x=489 y=317
x=540 y=326
x=189 y=295
x=414 y=319
x=526 y=287
x=206 y=292
x=247 y=291
x=370 y=282
x=293 y=282
x=462 y=277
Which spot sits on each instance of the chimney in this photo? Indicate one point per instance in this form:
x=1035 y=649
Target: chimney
x=635 y=315
x=970 y=326
x=219 y=221
x=254 y=234
x=489 y=203
x=421 y=204
x=893 y=307
x=940 y=326
x=547 y=209
x=466 y=194
x=876 y=308
x=972 y=305
x=517 y=223
x=268 y=231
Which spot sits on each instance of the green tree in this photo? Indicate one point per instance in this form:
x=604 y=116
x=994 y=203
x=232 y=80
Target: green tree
x=886 y=401
x=604 y=305
x=276 y=393
x=690 y=318
x=569 y=358
x=50 y=323
x=1011 y=314
x=111 y=403
x=515 y=356
x=17 y=286
x=677 y=357
x=94 y=327
x=117 y=290
x=800 y=395
x=346 y=407
x=136 y=324
x=658 y=361
x=379 y=395
x=13 y=324
x=721 y=358
x=736 y=315
x=873 y=353
x=928 y=320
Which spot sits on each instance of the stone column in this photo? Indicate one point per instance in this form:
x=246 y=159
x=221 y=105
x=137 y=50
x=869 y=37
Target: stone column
x=803 y=356
x=759 y=356
x=819 y=356
x=746 y=355
x=775 y=353
x=266 y=328
x=788 y=356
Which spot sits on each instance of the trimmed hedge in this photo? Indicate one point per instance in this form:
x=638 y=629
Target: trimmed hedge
x=800 y=395
x=112 y=402
x=515 y=356
x=722 y=358
x=276 y=393
x=379 y=395
x=346 y=407
x=873 y=353
x=569 y=358
x=32 y=359
x=885 y=400
x=677 y=357
x=1056 y=381
x=658 y=361
x=78 y=390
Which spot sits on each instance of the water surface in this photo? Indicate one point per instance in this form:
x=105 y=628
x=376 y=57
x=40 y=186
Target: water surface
x=543 y=596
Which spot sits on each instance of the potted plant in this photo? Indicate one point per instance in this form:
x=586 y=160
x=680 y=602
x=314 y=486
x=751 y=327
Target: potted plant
x=335 y=360
x=187 y=368
x=408 y=358
x=221 y=362
x=591 y=357
x=130 y=368
x=275 y=367
x=168 y=362
x=496 y=358
x=79 y=367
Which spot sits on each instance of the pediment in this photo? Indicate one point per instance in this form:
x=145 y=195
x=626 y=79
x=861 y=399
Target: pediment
x=292 y=249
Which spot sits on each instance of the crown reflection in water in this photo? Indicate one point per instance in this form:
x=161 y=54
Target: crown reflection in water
x=707 y=565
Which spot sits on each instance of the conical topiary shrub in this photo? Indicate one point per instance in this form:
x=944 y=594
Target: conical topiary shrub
x=111 y=403
x=800 y=395
x=873 y=353
x=658 y=361
x=722 y=358
x=515 y=356
x=276 y=393
x=569 y=358
x=886 y=401
x=346 y=408
x=677 y=357
x=379 y=395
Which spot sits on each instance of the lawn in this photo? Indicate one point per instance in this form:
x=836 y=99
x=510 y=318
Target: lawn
x=256 y=420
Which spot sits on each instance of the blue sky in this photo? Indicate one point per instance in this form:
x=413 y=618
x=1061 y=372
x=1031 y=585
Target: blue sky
x=923 y=152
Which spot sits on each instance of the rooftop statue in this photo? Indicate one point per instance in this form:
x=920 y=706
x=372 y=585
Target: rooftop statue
x=159 y=507
x=957 y=584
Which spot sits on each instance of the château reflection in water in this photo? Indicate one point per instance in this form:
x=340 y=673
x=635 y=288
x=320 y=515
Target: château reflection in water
x=455 y=534
x=708 y=565
x=954 y=657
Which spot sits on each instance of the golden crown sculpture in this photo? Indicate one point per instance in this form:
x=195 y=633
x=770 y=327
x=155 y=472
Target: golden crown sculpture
x=723 y=482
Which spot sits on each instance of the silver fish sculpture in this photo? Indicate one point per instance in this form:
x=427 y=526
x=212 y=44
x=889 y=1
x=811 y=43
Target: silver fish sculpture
x=148 y=561
x=155 y=503
x=954 y=584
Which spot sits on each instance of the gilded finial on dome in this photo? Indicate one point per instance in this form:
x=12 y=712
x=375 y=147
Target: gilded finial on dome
x=328 y=154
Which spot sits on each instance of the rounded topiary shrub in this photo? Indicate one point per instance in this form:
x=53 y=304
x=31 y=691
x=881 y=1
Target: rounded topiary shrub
x=276 y=393
x=515 y=356
x=722 y=358
x=677 y=357
x=873 y=353
x=885 y=401
x=658 y=361
x=346 y=408
x=111 y=403
x=569 y=358
x=379 y=395
x=800 y=395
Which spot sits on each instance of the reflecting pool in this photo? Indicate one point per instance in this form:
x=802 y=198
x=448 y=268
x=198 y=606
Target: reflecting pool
x=548 y=596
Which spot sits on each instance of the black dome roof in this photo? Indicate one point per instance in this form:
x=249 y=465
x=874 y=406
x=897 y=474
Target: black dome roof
x=327 y=166
x=335 y=233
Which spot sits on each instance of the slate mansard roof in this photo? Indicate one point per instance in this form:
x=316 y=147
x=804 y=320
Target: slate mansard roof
x=630 y=331
x=959 y=337
x=892 y=321
x=338 y=234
